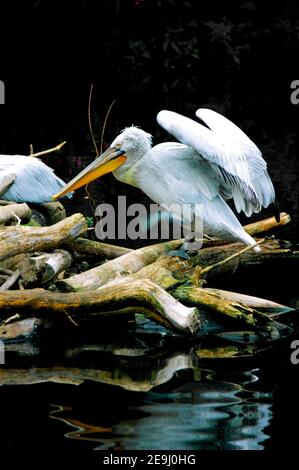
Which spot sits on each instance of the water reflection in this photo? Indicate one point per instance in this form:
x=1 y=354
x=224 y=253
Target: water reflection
x=177 y=396
x=211 y=413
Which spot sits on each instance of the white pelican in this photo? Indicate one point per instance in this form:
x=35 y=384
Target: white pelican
x=35 y=182
x=212 y=163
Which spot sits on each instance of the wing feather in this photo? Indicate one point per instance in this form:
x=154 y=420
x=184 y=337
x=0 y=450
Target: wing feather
x=236 y=161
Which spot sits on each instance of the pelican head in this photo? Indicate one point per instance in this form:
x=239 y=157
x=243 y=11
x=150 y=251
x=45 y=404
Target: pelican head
x=128 y=147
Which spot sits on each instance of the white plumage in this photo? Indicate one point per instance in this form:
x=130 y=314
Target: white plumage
x=208 y=166
x=35 y=182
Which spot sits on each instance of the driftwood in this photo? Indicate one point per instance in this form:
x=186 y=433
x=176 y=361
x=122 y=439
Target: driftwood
x=44 y=266
x=59 y=261
x=145 y=280
x=267 y=224
x=164 y=308
x=122 y=266
x=138 y=259
x=15 y=240
x=14 y=212
x=263 y=305
x=169 y=271
x=53 y=211
x=97 y=249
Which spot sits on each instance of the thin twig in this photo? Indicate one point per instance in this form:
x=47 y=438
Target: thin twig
x=18 y=219
x=104 y=125
x=10 y=281
x=229 y=258
x=5 y=271
x=89 y=120
x=51 y=150
x=31 y=150
x=68 y=316
x=21 y=283
x=14 y=317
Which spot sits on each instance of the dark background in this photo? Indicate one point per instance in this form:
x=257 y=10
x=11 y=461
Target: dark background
x=238 y=58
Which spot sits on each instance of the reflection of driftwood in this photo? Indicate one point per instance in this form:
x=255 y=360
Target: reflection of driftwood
x=14 y=212
x=142 y=380
x=20 y=330
x=15 y=240
x=124 y=265
x=97 y=249
x=164 y=308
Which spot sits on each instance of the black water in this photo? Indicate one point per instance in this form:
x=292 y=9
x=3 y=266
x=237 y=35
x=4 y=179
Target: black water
x=244 y=64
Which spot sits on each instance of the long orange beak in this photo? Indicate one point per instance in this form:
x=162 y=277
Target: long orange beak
x=105 y=163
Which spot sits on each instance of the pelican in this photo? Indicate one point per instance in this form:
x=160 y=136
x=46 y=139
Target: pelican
x=34 y=182
x=210 y=164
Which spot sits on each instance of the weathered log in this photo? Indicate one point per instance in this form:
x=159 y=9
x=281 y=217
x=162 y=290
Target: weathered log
x=14 y=212
x=163 y=307
x=15 y=240
x=263 y=305
x=122 y=266
x=44 y=266
x=170 y=272
x=97 y=249
x=33 y=267
x=53 y=211
x=267 y=224
x=59 y=261
x=6 y=183
x=198 y=296
x=12 y=263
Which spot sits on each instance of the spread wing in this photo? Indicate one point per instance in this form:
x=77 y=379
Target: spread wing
x=236 y=161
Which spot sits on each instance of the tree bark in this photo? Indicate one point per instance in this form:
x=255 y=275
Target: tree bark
x=122 y=266
x=14 y=240
x=163 y=307
x=13 y=211
x=98 y=249
x=267 y=224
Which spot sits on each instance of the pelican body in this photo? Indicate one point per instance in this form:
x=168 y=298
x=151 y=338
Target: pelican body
x=34 y=182
x=208 y=165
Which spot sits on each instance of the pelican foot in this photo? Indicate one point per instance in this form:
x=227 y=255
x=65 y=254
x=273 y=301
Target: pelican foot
x=185 y=249
x=181 y=253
